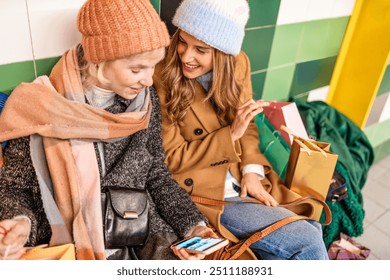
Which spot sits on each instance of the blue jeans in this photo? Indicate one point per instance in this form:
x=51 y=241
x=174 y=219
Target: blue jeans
x=300 y=240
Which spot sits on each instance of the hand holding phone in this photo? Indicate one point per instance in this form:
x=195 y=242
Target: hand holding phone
x=201 y=245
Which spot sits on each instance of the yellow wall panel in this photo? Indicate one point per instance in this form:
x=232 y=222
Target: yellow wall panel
x=362 y=60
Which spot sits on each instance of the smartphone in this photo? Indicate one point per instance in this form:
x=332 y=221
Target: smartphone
x=202 y=245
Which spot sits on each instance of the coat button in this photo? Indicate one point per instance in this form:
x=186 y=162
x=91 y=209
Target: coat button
x=198 y=131
x=188 y=182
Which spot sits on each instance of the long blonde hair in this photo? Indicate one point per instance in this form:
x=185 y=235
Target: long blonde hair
x=223 y=94
x=89 y=71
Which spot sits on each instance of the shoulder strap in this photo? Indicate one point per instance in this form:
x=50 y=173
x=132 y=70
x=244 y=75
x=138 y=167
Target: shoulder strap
x=209 y=201
x=263 y=233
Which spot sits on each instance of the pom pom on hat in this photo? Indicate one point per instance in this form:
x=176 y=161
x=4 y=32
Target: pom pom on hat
x=218 y=23
x=113 y=29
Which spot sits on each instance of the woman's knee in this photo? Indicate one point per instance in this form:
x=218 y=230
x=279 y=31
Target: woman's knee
x=312 y=240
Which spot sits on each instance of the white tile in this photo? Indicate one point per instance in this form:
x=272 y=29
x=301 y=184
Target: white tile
x=291 y=11
x=318 y=94
x=383 y=223
x=384 y=179
x=320 y=9
x=379 y=193
x=343 y=8
x=372 y=210
x=49 y=5
x=377 y=241
x=15 y=45
x=376 y=171
x=366 y=223
x=372 y=257
x=385 y=163
x=54 y=29
x=370 y=183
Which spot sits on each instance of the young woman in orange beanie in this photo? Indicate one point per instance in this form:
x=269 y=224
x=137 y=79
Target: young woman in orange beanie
x=93 y=123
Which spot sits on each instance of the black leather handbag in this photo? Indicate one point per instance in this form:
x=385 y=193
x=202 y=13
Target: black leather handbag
x=338 y=188
x=125 y=217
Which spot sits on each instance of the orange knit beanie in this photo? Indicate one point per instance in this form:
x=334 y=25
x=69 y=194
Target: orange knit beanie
x=113 y=29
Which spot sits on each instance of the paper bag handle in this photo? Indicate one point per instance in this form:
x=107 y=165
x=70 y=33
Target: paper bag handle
x=301 y=143
x=286 y=129
x=314 y=146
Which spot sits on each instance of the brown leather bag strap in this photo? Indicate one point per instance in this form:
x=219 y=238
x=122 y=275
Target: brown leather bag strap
x=263 y=233
x=328 y=213
x=209 y=201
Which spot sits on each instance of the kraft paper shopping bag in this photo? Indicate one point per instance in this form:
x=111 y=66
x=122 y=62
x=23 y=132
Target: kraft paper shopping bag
x=310 y=169
x=61 y=252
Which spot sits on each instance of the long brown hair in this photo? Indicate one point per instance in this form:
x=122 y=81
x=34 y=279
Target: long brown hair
x=223 y=94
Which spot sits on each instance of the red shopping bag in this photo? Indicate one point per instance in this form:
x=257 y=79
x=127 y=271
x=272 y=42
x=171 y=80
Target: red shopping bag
x=287 y=114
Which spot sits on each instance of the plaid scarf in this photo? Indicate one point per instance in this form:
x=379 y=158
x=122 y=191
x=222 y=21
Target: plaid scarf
x=55 y=109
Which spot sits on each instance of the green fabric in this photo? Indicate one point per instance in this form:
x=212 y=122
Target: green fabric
x=356 y=155
x=272 y=145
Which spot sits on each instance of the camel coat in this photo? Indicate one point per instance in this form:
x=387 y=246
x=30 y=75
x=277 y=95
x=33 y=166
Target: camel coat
x=200 y=152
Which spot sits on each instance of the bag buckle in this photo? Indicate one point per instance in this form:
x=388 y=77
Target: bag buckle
x=130 y=215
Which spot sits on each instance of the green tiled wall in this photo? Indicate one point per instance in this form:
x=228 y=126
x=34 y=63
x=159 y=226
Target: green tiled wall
x=283 y=57
x=285 y=44
x=308 y=47
x=44 y=66
x=382 y=150
x=278 y=83
x=290 y=60
x=156 y=4
x=287 y=60
x=385 y=84
x=311 y=75
x=263 y=13
x=13 y=74
x=257 y=45
x=379 y=135
x=258 y=80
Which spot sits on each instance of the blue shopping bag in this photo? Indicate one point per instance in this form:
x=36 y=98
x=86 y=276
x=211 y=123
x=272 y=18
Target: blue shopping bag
x=3 y=98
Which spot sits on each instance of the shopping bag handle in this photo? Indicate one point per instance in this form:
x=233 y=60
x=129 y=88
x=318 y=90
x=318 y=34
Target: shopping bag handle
x=302 y=142
x=311 y=144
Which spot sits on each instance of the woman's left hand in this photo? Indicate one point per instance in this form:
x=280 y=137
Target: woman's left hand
x=251 y=185
x=202 y=231
x=13 y=235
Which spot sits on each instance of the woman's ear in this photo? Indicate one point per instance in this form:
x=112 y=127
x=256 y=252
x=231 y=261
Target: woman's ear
x=100 y=75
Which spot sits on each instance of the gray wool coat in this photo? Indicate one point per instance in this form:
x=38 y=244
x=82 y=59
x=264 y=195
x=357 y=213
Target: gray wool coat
x=135 y=161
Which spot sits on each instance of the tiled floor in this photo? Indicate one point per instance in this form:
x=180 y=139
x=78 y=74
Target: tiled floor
x=376 y=197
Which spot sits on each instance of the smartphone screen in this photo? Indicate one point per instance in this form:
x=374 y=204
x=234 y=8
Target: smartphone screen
x=202 y=245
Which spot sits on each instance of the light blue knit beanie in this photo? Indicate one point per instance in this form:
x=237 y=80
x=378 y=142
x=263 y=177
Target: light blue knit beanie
x=218 y=23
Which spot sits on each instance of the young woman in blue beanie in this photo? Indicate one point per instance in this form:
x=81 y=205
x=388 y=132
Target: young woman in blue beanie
x=211 y=141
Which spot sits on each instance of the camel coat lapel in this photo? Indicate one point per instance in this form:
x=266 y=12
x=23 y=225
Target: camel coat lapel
x=204 y=112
